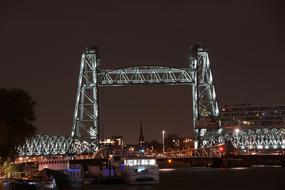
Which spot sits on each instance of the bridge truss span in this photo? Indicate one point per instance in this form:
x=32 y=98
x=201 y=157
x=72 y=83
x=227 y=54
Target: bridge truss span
x=145 y=75
x=46 y=145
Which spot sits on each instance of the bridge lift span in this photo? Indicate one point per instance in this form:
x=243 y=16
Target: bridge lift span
x=197 y=74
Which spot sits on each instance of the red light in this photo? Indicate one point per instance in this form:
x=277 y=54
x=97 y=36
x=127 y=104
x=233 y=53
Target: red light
x=221 y=149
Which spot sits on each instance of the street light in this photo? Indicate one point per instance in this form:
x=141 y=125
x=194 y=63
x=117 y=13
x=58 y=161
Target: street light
x=237 y=130
x=163 y=132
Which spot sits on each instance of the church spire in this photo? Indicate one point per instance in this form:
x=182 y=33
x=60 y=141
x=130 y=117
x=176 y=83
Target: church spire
x=141 y=139
x=141 y=131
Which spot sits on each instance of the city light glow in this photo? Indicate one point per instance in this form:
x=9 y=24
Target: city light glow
x=237 y=130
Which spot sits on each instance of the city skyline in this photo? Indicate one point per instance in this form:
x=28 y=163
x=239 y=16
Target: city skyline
x=41 y=46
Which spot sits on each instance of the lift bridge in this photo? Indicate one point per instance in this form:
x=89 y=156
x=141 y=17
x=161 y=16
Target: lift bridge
x=85 y=129
x=249 y=128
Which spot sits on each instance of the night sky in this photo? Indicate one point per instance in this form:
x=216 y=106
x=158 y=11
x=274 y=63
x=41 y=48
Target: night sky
x=41 y=44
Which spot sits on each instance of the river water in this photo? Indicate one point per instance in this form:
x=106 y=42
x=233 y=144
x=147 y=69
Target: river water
x=254 y=178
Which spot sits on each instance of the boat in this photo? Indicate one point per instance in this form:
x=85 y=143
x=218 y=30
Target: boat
x=141 y=170
x=57 y=172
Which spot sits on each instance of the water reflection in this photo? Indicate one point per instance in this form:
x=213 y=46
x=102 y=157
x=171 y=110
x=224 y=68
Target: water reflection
x=239 y=168
x=166 y=169
x=239 y=178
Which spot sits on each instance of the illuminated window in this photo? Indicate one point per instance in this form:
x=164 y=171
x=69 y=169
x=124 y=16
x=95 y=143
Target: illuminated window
x=144 y=162
x=130 y=162
x=152 y=162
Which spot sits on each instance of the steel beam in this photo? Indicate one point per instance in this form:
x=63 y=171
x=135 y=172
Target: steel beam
x=198 y=75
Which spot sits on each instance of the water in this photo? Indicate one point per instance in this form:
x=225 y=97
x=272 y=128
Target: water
x=186 y=177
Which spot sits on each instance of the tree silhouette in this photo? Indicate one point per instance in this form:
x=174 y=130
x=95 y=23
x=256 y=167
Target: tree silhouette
x=16 y=120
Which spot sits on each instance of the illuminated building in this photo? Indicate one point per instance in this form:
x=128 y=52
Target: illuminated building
x=187 y=143
x=118 y=141
x=106 y=142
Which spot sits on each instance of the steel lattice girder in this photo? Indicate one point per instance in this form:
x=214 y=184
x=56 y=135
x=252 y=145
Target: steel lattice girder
x=54 y=145
x=258 y=139
x=198 y=75
x=253 y=139
x=145 y=75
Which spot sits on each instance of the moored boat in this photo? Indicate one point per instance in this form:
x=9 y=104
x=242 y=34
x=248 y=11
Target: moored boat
x=141 y=170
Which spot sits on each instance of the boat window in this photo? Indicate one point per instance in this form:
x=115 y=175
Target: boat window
x=129 y=162
x=135 y=162
x=152 y=162
x=144 y=162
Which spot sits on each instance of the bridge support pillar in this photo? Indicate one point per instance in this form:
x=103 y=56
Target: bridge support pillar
x=85 y=123
x=205 y=106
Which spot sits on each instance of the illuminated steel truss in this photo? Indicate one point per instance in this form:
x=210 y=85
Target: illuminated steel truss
x=91 y=76
x=258 y=139
x=254 y=127
x=145 y=75
x=45 y=145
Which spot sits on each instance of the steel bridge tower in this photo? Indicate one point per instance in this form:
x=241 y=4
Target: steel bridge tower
x=197 y=74
x=86 y=106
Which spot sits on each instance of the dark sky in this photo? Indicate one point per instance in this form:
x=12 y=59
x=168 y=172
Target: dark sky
x=41 y=44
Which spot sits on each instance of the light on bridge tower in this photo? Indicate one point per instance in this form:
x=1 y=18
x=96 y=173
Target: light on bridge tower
x=85 y=124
